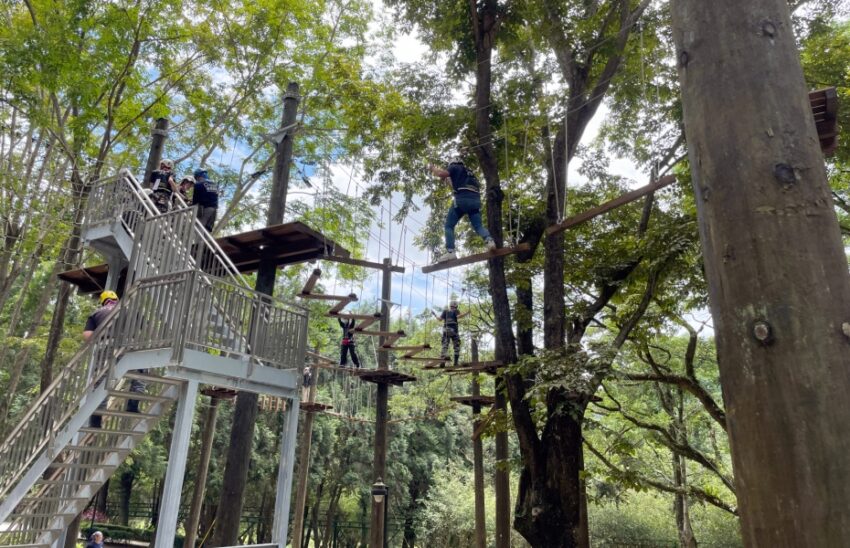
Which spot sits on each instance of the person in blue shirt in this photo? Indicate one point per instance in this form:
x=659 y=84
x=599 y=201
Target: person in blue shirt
x=205 y=197
x=467 y=201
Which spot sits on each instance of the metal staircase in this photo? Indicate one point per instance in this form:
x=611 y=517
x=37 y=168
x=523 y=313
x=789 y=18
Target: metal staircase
x=187 y=318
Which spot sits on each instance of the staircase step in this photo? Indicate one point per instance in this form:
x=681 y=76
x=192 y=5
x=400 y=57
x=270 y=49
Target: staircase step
x=79 y=466
x=152 y=378
x=91 y=448
x=42 y=515
x=26 y=545
x=67 y=482
x=90 y=430
x=141 y=396
x=125 y=414
x=52 y=499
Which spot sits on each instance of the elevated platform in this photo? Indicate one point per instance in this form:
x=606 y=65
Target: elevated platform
x=314 y=407
x=824 y=104
x=285 y=244
x=474 y=401
x=383 y=376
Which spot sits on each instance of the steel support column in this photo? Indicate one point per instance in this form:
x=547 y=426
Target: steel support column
x=181 y=438
x=284 y=473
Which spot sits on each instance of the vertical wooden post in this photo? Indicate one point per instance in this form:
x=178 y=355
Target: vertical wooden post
x=198 y=489
x=245 y=414
x=381 y=401
x=776 y=269
x=304 y=467
x=478 y=458
x=158 y=136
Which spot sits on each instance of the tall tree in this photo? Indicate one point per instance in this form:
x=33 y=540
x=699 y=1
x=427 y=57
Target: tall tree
x=776 y=268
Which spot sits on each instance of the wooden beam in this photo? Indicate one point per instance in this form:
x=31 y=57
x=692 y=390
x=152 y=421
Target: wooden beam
x=609 y=205
x=418 y=348
x=476 y=257
x=346 y=316
x=323 y=297
x=337 y=308
x=366 y=323
x=361 y=262
x=311 y=281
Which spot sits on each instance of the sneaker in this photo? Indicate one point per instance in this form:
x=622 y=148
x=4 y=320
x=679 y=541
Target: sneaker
x=491 y=245
x=447 y=256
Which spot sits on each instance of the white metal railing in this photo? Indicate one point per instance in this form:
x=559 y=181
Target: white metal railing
x=122 y=198
x=168 y=311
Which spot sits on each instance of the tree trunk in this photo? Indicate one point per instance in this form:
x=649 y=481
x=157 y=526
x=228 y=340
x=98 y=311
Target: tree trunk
x=126 y=481
x=245 y=414
x=776 y=269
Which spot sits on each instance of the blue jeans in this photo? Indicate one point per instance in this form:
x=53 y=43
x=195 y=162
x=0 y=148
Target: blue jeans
x=465 y=203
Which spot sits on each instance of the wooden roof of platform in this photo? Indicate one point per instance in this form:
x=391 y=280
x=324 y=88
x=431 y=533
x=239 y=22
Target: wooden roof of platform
x=383 y=376
x=88 y=280
x=286 y=244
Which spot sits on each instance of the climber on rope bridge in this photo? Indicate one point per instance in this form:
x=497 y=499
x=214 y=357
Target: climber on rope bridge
x=467 y=201
x=347 y=344
x=450 y=319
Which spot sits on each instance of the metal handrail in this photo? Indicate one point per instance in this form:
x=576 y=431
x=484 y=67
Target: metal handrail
x=168 y=311
x=200 y=232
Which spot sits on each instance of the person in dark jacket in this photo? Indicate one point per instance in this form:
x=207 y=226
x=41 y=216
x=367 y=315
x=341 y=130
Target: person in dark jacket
x=205 y=197
x=467 y=201
x=450 y=319
x=108 y=302
x=347 y=345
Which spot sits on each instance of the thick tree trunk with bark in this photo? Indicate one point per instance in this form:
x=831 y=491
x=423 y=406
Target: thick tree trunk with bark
x=776 y=267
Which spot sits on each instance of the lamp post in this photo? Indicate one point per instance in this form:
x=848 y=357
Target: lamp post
x=380 y=496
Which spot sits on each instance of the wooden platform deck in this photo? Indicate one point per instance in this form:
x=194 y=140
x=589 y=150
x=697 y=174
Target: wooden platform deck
x=314 y=407
x=474 y=401
x=383 y=376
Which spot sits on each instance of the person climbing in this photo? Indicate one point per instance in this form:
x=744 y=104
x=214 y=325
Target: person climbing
x=347 y=345
x=186 y=183
x=306 y=382
x=450 y=319
x=467 y=201
x=108 y=302
x=163 y=186
x=205 y=197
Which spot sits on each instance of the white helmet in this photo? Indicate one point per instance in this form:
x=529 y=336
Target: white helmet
x=167 y=163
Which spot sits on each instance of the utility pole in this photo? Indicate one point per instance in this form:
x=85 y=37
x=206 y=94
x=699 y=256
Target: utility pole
x=201 y=476
x=381 y=412
x=304 y=465
x=477 y=457
x=245 y=414
x=158 y=136
x=776 y=268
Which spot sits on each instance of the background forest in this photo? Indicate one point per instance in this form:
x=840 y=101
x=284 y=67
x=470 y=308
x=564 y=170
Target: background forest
x=591 y=85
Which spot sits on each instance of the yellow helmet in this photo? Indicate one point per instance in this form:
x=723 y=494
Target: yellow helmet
x=108 y=295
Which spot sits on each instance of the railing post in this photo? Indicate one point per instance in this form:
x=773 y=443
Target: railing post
x=186 y=313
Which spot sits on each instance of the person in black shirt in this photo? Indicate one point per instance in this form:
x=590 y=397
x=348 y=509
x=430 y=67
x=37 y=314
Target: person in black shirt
x=450 y=319
x=108 y=302
x=347 y=345
x=205 y=197
x=467 y=201
x=162 y=185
